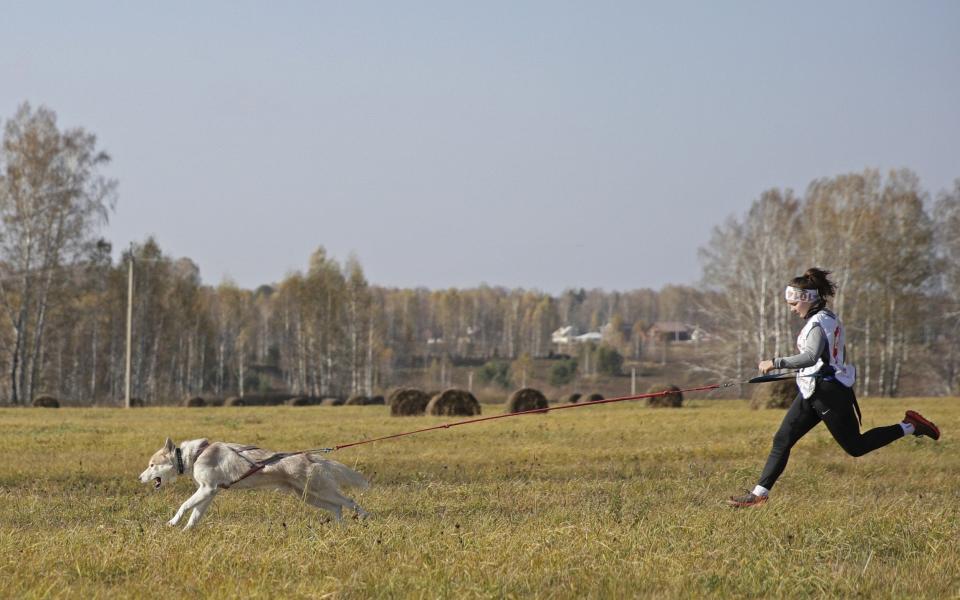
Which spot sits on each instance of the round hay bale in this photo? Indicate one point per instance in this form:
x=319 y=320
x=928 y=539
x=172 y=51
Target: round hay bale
x=526 y=399
x=195 y=401
x=672 y=400
x=235 y=401
x=453 y=402
x=266 y=399
x=46 y=402
x=303 y=401
x=776 y=394
x=392 y=396
x=357 y=400
x=378 y=400
x=331 y=401
x=572 y=398
x=409 y=402
x=594 y=397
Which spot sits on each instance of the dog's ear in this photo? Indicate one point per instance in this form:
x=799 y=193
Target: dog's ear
x=168 y=446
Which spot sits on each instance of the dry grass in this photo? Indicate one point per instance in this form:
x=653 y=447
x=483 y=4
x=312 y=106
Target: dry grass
x=603 y=501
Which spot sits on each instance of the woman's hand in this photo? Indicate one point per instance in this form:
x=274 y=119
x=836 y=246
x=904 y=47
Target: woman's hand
x=765 y=366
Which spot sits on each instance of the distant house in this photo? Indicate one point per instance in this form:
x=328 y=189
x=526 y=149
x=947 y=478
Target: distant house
x=590 y=336
x=671 y=331
x=564 y=335
x=567 y=336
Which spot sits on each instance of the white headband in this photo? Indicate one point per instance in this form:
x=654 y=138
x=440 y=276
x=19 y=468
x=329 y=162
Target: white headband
x=795 y=294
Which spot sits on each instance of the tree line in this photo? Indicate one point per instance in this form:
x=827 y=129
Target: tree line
x=328 y=331
x=893 y=250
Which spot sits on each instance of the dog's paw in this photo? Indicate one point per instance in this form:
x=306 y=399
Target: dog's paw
x=172 y=522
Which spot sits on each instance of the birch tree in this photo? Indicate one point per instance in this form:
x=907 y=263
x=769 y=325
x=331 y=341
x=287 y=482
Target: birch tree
x=53 y=199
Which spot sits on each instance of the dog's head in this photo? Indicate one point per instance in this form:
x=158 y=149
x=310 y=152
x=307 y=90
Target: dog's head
x=163 y=466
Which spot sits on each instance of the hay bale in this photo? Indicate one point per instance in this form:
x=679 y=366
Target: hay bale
x=195 y=401
x=409 y=402
x=377 y=400
x=594 y=397
x=357 y=400
x=672 y=400
x=392 y=396
x=331 y=401
x=235 y=401
x=266 y=399
x=303 y=401
x=572 y=398
x=46 y=402
x=453 y=402
x=776 y=394
x=526 y=399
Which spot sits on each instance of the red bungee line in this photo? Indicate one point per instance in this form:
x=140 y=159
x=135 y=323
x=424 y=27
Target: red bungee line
x=525 y=412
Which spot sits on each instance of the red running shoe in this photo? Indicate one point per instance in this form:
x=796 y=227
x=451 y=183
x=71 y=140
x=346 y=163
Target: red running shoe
x=921 y=426
x=746 y=500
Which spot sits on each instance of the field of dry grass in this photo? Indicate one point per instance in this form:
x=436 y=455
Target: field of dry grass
x=606 y=501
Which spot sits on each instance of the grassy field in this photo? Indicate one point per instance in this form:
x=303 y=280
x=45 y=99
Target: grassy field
x=608 y=501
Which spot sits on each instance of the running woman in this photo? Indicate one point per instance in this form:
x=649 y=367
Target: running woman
x=826 y=388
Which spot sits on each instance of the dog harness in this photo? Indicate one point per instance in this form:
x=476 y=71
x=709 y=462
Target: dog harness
x=179 y=454
x=258 y=466
x=255 y=466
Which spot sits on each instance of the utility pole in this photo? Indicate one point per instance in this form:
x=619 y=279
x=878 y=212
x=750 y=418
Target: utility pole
x=129 y=324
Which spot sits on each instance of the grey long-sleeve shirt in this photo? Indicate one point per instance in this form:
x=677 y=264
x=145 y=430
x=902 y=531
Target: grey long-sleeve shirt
x=813 y=346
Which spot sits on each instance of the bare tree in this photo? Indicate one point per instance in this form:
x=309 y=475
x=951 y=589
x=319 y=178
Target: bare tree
x=52 y=201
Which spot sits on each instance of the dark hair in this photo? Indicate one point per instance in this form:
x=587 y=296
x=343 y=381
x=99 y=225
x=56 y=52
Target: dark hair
x=815 y=279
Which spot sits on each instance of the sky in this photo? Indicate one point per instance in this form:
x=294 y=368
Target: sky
x=543 y=145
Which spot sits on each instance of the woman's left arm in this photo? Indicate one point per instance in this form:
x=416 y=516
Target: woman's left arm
x=812 y=348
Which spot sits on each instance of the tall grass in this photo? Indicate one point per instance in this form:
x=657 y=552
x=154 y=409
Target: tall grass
x=606 y=501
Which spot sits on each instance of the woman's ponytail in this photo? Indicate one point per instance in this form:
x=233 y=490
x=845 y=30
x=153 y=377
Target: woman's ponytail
x=818 y=279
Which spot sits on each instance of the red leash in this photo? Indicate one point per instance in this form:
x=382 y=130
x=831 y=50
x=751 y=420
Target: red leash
x=525 y=412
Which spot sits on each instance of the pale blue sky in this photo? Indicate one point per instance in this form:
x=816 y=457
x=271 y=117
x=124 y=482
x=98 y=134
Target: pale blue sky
x=527 y=144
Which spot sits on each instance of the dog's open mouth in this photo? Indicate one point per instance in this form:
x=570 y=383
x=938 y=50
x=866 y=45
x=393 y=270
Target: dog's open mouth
x=156 y=483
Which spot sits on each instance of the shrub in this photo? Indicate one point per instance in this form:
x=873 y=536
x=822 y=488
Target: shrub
x=563 y=372
x=494 y=372
x=609 y=361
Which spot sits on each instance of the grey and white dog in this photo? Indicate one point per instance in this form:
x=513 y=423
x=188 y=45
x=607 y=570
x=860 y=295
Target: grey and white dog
x=218 y=466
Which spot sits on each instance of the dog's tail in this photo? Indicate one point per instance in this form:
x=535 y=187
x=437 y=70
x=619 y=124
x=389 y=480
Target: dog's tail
x=342 y=474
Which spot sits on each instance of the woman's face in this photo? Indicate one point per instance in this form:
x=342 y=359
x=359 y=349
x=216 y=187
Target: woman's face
x=800 y=308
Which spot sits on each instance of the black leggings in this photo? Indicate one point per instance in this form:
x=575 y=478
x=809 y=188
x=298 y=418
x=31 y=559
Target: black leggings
x=831 y=403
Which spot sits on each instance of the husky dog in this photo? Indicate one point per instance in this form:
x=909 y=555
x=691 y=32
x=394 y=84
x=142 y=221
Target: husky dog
x=218 y=466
